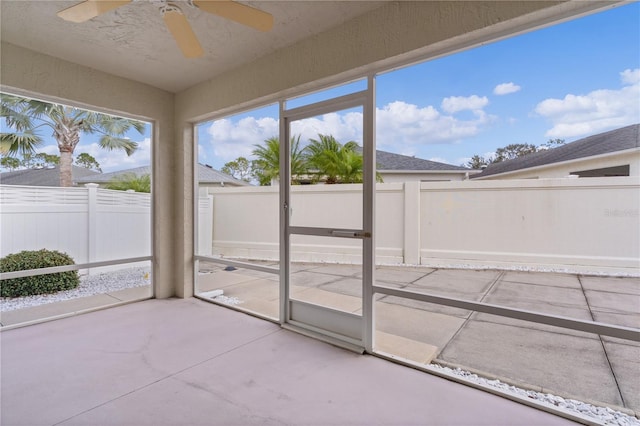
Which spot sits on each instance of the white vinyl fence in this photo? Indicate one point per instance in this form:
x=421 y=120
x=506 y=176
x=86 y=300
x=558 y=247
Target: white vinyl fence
x=90 y=224
x=584 y=225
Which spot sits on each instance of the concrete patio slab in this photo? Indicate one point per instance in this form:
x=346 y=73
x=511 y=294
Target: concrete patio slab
x=415 y=324
x=384 y=275
x=337 y=269
x=624 y=357
x=626 y=285
x=463 y=284
x=568 y=302
x=330 y=299
x=134 y=293
x=615 y=307
x=267 y=308
x=558 y=363
x=221 y=279
x=348 y=286
x=256 y=288
x=405 y=348
x=312 y=279
x=431 y=307
x=144 y=370
x=549 y=279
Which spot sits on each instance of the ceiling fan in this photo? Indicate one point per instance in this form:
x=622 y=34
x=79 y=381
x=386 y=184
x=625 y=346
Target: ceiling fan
x=175 y=20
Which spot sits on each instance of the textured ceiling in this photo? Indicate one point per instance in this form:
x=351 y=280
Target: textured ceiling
x=132 y=41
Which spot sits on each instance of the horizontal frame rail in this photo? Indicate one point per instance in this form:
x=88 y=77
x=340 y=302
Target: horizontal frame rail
x=620 y=332
x=67 y=268
x=238 y=264
x=329 y=232
x=340 y=103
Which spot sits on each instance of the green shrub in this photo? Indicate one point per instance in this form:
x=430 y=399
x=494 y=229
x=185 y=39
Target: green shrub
x=39 y=284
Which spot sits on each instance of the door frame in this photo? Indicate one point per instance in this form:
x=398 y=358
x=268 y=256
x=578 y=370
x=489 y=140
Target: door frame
x=352 y=331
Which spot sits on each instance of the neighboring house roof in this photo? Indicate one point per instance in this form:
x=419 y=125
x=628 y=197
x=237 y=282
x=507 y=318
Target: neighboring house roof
x=46 y=176
x=388 y=161
x=602 y=143
x=206 y=174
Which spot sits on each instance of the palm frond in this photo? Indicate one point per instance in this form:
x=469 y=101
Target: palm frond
x=111 y=142
x=12 y=144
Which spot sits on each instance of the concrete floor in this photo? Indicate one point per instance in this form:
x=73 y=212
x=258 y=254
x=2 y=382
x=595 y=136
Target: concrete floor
x=187 y=362
x=583 y=366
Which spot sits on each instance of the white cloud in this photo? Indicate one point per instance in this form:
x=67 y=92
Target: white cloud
x=506 y=88
x=455 y=104
x=118 y=160
x=401 y=127
x=596 y=111
x=630 y=76
x=232 y=140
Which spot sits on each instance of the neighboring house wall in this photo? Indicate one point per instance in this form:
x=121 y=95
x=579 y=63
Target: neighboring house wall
x=584 y=225
x=560 y=170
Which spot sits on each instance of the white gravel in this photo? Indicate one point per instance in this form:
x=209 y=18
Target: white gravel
x=89 y=285
x=604 y=415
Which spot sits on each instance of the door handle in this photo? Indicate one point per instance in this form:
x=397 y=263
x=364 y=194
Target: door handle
x=350 y=234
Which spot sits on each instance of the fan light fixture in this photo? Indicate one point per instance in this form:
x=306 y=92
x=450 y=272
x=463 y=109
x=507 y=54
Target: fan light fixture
x=175 y=20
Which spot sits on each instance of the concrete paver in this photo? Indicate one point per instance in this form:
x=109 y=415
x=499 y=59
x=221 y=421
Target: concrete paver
x=569 y=302
x=624 y=357
x=549 y=279
x=415 y=324
x=617 y=308
x=626 y=285
x=571 y=365
x=425 y=306
x=463 y=284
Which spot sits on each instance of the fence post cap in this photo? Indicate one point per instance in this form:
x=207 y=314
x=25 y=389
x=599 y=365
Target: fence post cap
x=91 y=185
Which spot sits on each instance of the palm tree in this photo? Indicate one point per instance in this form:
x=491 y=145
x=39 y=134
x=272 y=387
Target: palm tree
x=334 y=161
x=268 y=160
x=26 y=116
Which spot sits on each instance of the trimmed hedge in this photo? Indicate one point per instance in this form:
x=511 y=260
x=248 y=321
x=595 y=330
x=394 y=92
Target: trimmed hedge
x=39 y=284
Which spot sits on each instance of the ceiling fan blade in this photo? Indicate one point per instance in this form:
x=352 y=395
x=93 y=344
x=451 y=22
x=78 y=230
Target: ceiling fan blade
x=88 y=9
x=182 y=32
x=241 y=13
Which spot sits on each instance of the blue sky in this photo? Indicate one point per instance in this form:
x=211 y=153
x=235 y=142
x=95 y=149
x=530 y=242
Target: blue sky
x=568 y=81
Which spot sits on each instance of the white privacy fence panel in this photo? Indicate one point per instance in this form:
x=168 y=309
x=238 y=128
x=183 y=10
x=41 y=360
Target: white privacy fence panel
x=90 y=224
x=590 y=225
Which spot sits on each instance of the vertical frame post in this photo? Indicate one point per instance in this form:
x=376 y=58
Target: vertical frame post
x=285 y=203
x=368 y=212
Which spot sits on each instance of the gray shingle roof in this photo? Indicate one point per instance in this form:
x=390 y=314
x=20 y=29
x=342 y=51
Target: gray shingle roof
x=602 y=143
x=206 y=174
x=44 y=176
x=387 y=161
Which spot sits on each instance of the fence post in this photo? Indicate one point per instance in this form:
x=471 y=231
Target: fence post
x=412 y=223
x=92 y=218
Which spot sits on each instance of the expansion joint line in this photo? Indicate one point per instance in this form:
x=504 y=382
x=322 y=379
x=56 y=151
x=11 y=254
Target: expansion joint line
x=467 y=319
x=604 y=348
